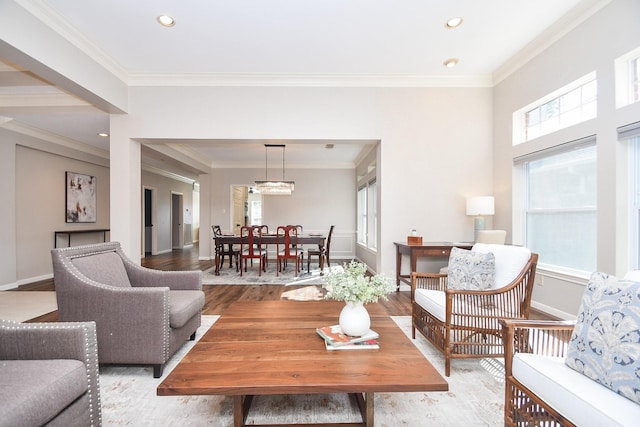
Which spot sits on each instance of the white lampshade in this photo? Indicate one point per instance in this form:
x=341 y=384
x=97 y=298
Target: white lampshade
x=483 y=205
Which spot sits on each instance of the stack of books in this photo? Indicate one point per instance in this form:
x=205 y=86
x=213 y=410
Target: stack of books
x=334 y=339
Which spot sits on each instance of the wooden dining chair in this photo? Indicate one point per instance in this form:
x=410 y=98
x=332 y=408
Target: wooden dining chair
x=320 y=252
x=222 y=251
x=251 y=247
x=287 y=247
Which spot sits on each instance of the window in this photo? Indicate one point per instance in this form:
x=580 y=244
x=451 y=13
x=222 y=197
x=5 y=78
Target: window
x=372 y=226
x=367 y=215
x=634 y=187
x=362 y=215
x=629 y=134
x=628 y=78
x=574 y=103
x=560 y=216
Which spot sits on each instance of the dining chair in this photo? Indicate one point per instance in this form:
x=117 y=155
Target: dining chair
x=287 y=247
x=251 y=247
x=321 y=252
x=222 y=251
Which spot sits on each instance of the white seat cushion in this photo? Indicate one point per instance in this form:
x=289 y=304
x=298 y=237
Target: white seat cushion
x=510 y=260
x=581 y=400
x=432 y=301
x=435 y=303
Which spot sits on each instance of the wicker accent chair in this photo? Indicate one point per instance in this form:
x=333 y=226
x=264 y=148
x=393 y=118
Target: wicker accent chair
x=143 y=316
x=549 y=338
x=577 y=373
x=465 y=323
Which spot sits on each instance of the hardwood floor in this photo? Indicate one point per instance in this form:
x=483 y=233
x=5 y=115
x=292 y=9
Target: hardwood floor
x=219 y=297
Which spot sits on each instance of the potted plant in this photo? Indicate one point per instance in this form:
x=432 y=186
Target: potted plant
x=351 y=285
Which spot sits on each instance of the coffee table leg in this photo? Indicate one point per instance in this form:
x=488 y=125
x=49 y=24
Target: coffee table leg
x=238 y=417
x=241 y=406
x=365 y=403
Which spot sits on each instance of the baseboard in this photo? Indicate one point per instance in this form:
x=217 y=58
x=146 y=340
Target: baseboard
x=8 y=286
x=552 y=311
x=28 y=281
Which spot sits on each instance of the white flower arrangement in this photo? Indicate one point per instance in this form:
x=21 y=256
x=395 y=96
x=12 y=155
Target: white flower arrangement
x=352 y=285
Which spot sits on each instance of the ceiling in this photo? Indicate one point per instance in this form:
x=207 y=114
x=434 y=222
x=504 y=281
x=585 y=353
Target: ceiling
x=276 y=42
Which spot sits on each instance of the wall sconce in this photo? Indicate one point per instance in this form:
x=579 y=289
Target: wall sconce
x=477 y=207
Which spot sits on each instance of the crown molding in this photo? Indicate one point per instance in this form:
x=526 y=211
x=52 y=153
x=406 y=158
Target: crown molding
x=57 y=23
x=166 y=174
x=307 y=80
x=24 y=129
x=41 y=99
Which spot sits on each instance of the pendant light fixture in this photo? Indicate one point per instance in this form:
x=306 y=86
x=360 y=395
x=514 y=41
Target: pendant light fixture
x=271 y=187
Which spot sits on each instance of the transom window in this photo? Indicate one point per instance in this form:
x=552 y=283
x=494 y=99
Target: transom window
x=628 y=78
x=574 y=103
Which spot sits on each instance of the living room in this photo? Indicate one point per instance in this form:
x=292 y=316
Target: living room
x=457 y=137
x=434 y=145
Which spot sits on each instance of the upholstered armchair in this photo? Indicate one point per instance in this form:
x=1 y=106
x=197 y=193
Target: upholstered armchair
x=49 y=374
x=142 y=315
x=459 y=312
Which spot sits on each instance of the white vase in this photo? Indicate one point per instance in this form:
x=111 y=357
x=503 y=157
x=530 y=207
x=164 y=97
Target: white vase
x=354 y=319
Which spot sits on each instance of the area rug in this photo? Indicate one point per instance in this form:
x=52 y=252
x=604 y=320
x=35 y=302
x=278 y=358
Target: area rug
x=475 y=398
x=288 y=277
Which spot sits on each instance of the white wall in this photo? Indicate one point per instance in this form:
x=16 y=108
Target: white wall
x=164 y=187
x=436 y=143
x=593 y=45
x=40 y=208
x=322 y=197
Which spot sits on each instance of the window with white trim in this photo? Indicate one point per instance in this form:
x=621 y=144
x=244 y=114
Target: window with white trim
x=634 y=228
x=362 y=215
x=372 y=226
x=572 y=104
x=560 y=205
x=367 y=215
x=628 y=78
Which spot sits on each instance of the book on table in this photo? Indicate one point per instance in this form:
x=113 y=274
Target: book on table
x=360 y=345
x=333 y=335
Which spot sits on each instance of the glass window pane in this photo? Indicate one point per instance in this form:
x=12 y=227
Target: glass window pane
x=571 y=100
x=560 y=212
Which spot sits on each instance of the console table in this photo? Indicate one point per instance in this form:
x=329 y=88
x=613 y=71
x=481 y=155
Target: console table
x=415 y=251
x=104 y=232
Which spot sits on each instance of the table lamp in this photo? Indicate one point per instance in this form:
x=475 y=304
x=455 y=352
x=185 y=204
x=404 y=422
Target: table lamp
x=479 y=206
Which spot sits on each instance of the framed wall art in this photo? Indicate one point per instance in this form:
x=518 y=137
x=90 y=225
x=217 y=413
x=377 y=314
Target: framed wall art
x=80 y=197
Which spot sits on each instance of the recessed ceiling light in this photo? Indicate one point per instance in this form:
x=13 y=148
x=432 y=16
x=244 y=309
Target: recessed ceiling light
x=166 y=20
x=454 y=22
x=103 y=134
x=451 y=62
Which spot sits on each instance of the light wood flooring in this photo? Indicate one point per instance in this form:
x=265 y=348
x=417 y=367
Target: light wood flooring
x=219 y=297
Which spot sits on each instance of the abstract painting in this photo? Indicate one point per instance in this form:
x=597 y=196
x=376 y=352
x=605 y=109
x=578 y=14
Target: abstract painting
x=80 y=197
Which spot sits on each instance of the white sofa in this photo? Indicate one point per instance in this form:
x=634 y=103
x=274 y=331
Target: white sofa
x=541 y=389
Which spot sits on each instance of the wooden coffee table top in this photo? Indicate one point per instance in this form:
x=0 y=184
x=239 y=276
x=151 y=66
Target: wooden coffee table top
x=271 y=347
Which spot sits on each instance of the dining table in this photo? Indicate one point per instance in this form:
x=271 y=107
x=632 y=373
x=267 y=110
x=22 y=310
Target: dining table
x=271 y=239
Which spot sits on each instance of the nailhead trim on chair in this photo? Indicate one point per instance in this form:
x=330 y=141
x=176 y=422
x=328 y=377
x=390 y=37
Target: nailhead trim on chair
x=101 y=248
x=89 y=341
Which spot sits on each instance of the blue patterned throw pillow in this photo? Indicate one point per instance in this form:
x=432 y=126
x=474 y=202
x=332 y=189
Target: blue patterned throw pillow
x=605 y=344
x=470 y=270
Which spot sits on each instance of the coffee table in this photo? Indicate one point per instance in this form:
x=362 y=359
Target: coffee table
x=271 y=348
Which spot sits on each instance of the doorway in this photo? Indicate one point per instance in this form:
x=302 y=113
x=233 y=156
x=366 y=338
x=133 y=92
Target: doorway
x=246 y=207
x=177 y=225
x=149 y=219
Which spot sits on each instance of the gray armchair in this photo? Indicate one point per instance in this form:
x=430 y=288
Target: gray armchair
x=142 y=315
x=49 y=374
